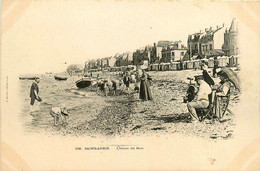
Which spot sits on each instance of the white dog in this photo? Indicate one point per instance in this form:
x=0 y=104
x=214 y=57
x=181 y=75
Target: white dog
x=59 y=113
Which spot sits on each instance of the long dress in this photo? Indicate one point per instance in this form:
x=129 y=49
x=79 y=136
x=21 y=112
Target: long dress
x=221 y=102
x=145 y=92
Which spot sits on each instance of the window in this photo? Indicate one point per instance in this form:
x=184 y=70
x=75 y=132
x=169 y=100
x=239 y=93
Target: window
x=182 y=53
x=163 y=55
x=173 y=54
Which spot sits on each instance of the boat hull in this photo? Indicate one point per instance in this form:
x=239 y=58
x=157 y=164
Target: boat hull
x=83 y=83
x=60 y=78
x=27 y=78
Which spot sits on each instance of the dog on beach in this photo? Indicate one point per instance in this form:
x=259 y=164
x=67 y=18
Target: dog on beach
x=60 y=114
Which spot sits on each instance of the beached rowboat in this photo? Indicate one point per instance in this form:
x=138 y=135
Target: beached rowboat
x=60 y=78
x=84 y=82
x=26 y=78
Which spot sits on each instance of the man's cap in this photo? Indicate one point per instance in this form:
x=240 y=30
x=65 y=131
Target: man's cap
x=36 y=78
x=199 y=77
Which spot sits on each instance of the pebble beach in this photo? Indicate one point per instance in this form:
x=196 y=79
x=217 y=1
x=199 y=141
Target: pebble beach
x=92 y=114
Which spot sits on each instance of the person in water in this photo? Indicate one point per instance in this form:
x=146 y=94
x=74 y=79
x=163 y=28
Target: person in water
x=34 y=92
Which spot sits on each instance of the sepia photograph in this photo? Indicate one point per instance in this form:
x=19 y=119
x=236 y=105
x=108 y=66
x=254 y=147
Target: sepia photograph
x=130 y=85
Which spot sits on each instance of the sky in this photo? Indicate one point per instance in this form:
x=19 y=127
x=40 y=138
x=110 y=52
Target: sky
x=49 y=35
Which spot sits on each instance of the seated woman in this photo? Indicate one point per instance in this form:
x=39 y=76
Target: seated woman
x=224 y=86
x=221 y=93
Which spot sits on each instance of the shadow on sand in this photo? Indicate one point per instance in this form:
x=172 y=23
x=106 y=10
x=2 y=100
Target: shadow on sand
x=172 y=118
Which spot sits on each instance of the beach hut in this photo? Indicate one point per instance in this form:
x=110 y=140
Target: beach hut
x=162 y=67
x=196 y=64
x=226 y=60
x=233 y=61
x=236 y=60
x=178 y=64
x=112 y=69
x=155 y=67
x=210 y=62
x=175 y=66
x=222 y=61
x=149 y=68
x=184 y=64
x=152 y=67
x=167 y=66
x=171 y=67
x=189 y=65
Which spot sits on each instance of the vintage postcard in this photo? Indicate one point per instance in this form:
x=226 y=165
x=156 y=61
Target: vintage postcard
x=130 y=85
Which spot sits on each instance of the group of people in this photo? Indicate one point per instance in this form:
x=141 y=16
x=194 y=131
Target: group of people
x=141 y=84
x=206 y=89
x=208 y=92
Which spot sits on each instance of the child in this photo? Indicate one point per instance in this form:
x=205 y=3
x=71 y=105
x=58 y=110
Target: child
x=136 y=89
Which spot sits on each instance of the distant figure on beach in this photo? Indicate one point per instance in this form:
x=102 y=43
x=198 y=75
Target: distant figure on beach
x=122 y=86
x=114 y=86
x=133 y=78
x=106 y=88
x=34 y=92
x=181 y=64
x=215 y=66
x=145 y=92
x=202 y=100
x=127 y=80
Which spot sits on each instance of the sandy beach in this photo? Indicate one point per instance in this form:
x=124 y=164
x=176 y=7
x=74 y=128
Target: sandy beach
x=92 y=114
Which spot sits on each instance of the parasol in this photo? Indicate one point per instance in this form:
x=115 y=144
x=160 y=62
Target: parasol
x=207 y=78
x=233 y=78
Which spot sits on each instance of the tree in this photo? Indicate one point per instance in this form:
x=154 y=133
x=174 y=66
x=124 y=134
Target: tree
x=74 y=68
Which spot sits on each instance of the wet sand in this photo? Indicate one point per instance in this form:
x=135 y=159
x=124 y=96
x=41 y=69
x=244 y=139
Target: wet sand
x=94 y=115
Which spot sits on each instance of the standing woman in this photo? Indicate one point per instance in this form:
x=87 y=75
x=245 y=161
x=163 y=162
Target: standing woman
x=145 y=92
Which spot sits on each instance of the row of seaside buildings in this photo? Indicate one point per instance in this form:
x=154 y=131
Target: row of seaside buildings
x=201 y=45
